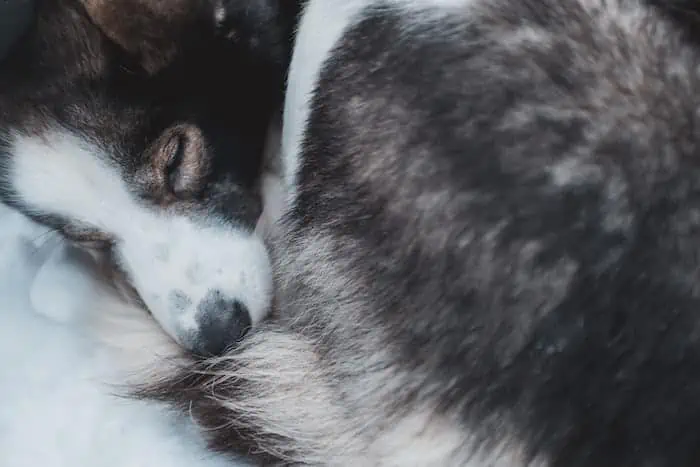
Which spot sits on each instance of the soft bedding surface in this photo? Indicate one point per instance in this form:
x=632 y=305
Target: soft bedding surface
x=57 y=408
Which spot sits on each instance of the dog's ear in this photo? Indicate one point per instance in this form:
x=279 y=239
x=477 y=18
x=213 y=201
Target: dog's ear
x=265 y=27
x=151 y=30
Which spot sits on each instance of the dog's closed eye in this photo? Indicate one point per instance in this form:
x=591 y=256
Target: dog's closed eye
x=177 y=181
x=180 y=162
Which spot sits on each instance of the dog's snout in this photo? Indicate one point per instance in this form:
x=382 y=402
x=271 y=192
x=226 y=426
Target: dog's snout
x=222 y=324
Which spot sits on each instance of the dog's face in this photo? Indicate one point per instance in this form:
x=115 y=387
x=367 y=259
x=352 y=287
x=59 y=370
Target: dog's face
x=143 y=140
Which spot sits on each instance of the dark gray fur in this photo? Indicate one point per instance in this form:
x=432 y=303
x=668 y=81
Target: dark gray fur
x=495 y=242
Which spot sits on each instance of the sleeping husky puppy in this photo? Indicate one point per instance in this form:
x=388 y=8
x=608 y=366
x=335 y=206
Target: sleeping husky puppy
x=136 y=128
x=489 y=252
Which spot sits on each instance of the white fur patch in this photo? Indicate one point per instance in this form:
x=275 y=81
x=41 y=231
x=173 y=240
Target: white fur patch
x=174 y=261
x=59 y=407
x=272 y=184
x=61 y=284
x=321 y=27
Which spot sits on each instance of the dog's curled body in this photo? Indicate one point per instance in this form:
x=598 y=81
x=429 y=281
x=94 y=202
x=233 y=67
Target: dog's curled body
x=490 y=253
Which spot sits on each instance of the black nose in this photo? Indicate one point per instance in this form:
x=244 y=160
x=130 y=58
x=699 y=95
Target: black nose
x=222 y=324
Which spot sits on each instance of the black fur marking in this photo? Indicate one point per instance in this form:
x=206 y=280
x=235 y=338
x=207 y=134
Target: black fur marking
x=684 y=13
x=64 y=72
x=15 y=15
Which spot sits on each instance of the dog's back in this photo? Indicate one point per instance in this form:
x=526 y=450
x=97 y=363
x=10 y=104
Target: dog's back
x=490 y=257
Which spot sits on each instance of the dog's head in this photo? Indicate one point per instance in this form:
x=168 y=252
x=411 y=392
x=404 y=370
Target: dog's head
x=136 y=128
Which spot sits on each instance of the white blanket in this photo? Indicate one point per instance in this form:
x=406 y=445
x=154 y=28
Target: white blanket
x=56 y=406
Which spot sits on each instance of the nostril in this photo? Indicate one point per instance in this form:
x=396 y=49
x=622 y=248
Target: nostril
x=222 y=327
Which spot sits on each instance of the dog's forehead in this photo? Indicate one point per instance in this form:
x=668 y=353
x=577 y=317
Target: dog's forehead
x=152 y=30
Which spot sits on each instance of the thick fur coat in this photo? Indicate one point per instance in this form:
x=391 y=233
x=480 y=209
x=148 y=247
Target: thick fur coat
x=487 y=249
x=489 y=253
